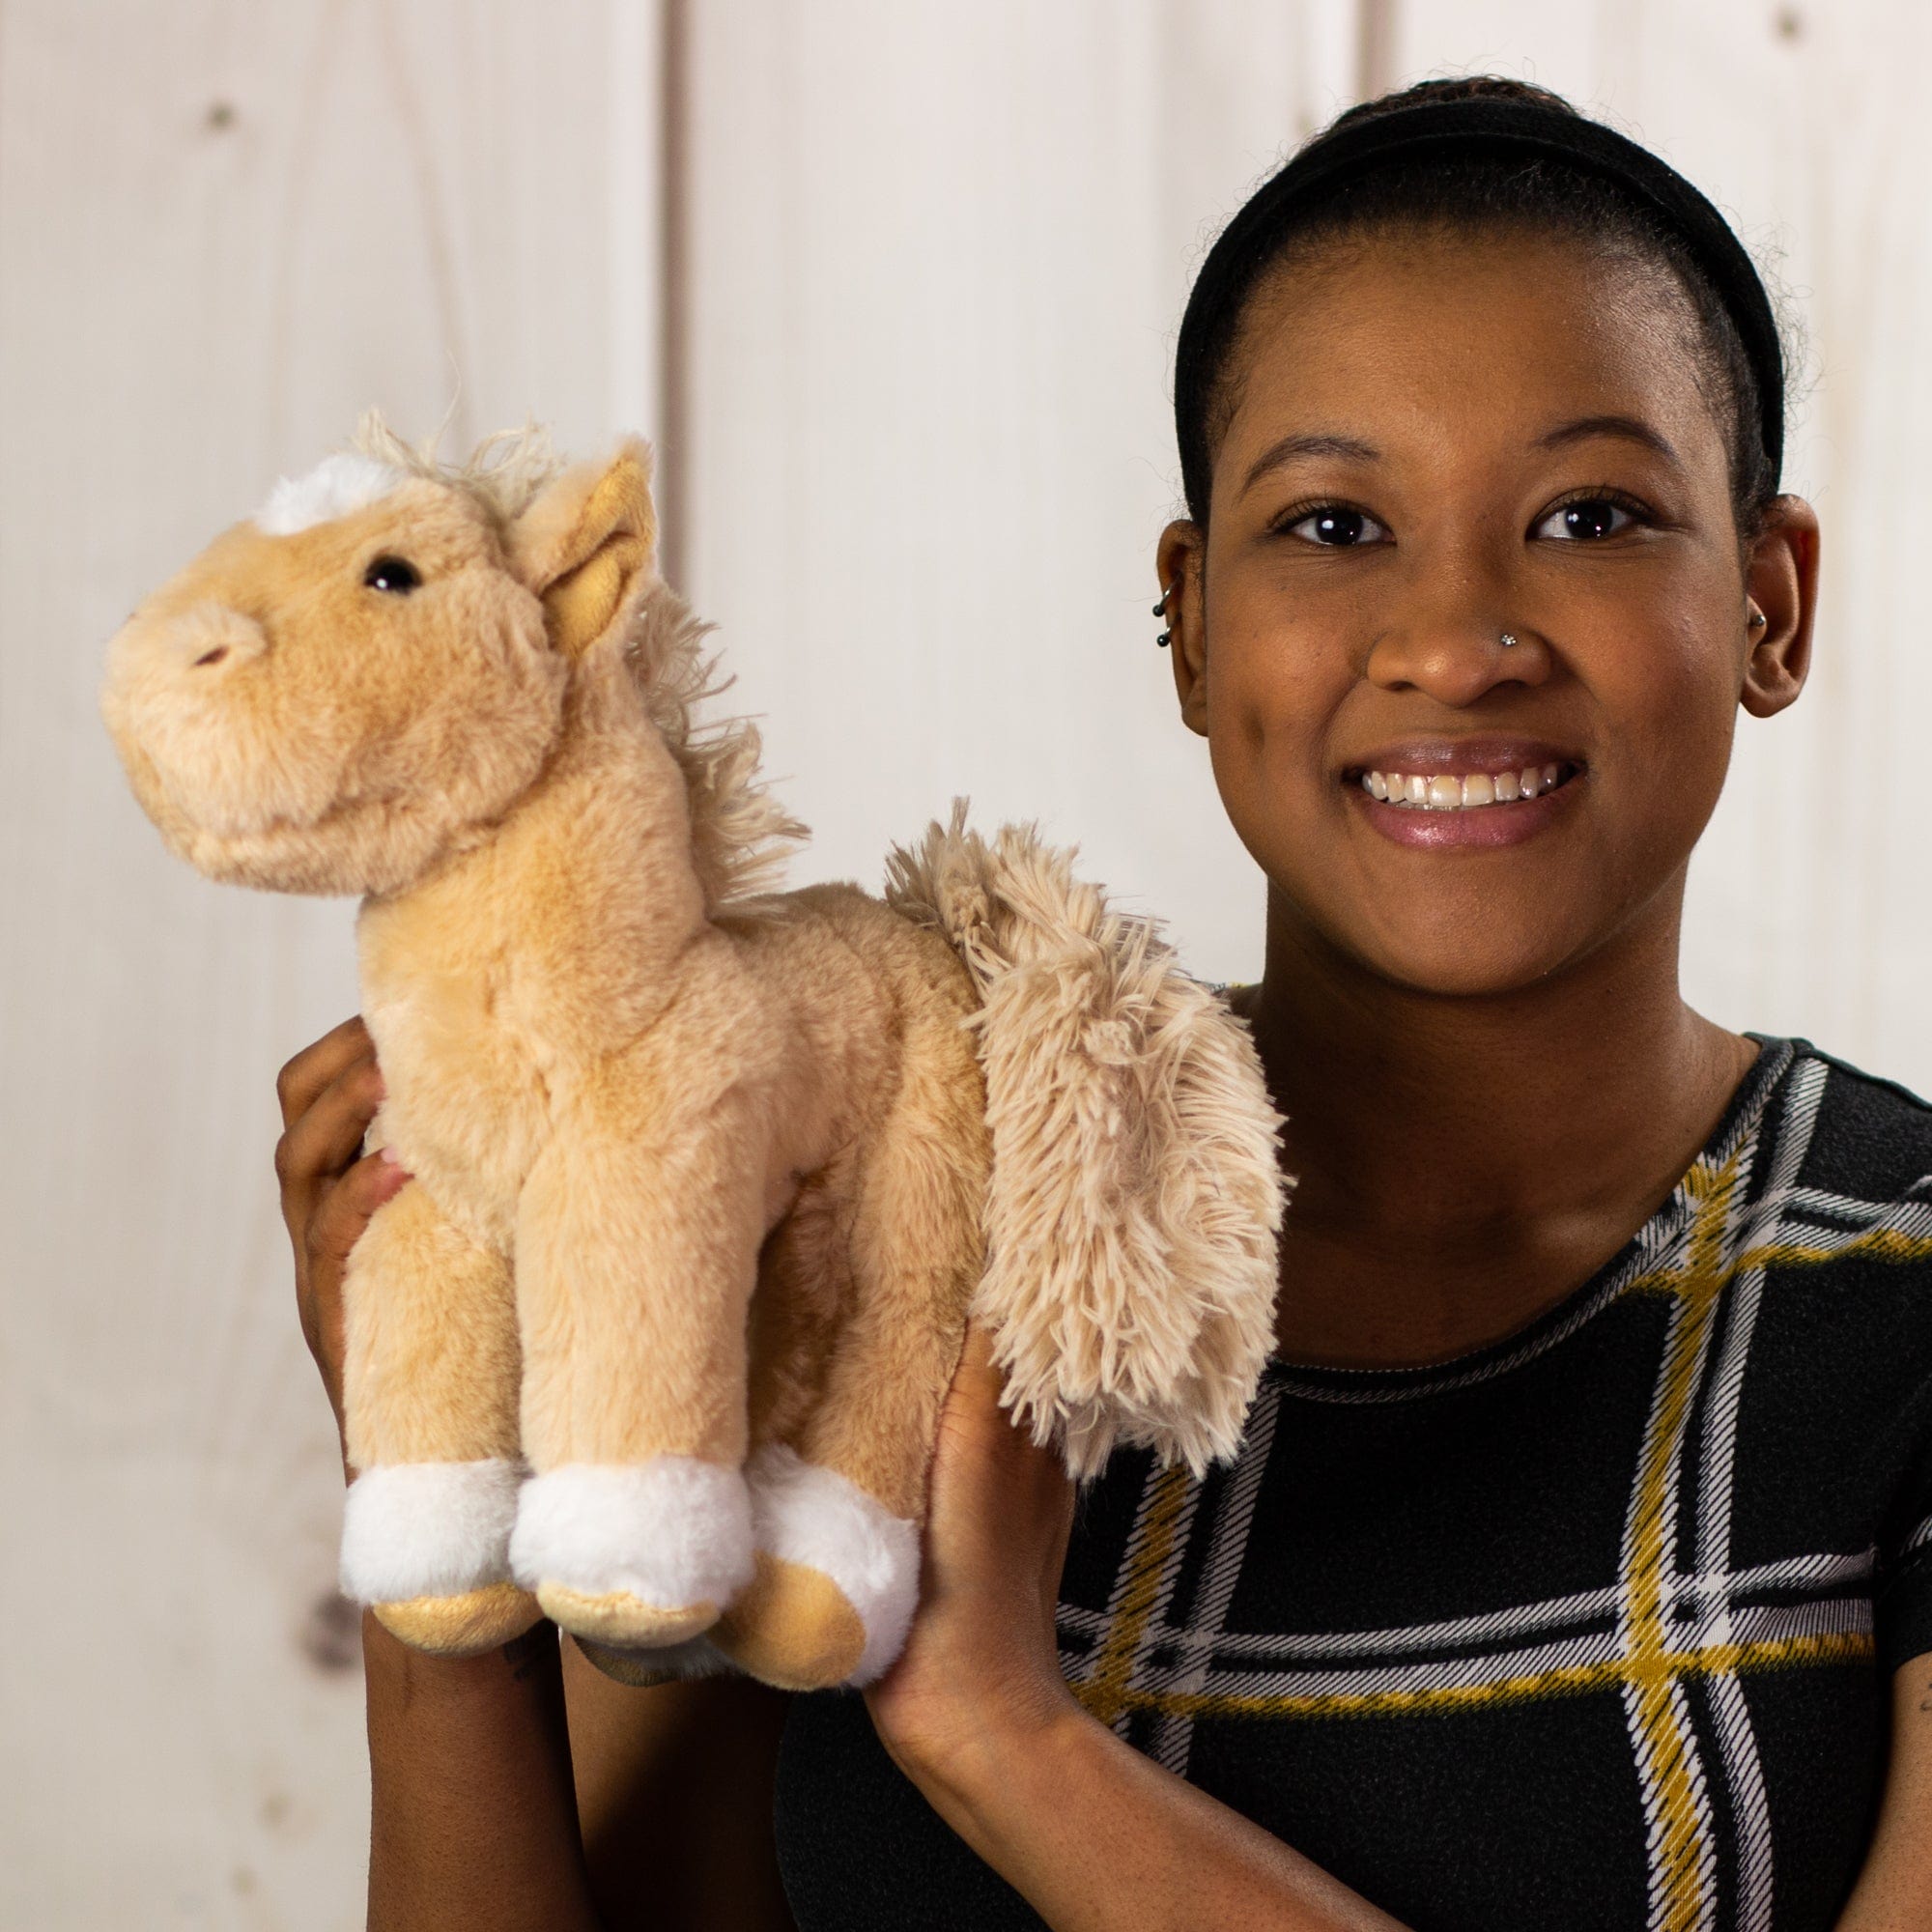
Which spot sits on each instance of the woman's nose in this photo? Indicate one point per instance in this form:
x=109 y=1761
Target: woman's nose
x=1454 y=638
x=1452 y=626
x=1457 y=660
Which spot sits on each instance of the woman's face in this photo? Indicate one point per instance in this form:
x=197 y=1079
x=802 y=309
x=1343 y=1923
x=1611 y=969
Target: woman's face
x=1438 y=440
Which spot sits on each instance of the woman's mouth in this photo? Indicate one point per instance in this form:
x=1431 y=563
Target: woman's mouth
x=1466 y=791
x=1473 y=796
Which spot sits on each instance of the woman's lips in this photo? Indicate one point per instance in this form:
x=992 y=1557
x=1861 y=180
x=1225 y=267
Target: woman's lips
x=1463 y=796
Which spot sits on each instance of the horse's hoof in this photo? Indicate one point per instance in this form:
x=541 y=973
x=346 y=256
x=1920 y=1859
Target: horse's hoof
x=834 y=1581
x=637 y=1555
x=645 y=1669
x=793 y=1627
x=640 y=1669
x=466 y=1625
x=617 y=1617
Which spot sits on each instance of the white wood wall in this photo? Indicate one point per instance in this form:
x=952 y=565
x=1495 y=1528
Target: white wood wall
x=928 y=271
x=937 y=259
x=224 y=228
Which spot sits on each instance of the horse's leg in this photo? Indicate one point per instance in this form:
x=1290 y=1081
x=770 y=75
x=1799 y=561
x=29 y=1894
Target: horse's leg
x=430 y=1412
x=636 y=1250
x=838 y=1503
x=804 y=1288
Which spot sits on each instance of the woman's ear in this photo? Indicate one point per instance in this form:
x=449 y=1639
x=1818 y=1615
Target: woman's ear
x=1782 y=587
x=1179 y=558
x=586 y=543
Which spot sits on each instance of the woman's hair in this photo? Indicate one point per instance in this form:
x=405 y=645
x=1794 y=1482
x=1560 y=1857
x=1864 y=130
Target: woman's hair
x=1463 y=194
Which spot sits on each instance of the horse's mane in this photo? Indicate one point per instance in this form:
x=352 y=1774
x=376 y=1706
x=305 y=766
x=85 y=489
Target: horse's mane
x=503 y=472
x=739 y=834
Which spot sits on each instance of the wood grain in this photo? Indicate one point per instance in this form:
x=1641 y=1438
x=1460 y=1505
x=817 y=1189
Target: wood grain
x=224 y=229
x=937 y=258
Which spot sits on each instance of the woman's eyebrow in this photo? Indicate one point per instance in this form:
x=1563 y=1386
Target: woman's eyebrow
x=1631 y=428
x=1291 y=446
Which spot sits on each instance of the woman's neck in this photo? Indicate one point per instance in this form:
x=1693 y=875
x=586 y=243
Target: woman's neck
x=1463 y=1163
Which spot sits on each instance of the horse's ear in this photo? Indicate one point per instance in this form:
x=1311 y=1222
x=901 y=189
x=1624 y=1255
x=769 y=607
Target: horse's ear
x=586 y=543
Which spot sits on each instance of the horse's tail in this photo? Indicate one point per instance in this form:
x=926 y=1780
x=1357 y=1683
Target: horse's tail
x=1136 y=1191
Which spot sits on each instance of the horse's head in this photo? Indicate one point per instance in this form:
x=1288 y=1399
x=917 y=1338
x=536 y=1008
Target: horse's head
x=339 y=687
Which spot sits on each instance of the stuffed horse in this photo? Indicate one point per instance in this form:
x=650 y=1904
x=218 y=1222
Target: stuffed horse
x=707 y=1177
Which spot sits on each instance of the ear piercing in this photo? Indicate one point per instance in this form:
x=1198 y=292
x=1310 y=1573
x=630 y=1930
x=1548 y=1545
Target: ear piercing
x=1756 y=618
x=1160 y=610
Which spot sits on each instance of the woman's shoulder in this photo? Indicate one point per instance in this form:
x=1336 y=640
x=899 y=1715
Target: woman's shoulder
x=1864 y=1137
x=1830 y=1215
x=1846 y=1142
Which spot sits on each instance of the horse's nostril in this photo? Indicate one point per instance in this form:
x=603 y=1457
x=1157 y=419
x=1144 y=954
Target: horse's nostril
x=212 y=657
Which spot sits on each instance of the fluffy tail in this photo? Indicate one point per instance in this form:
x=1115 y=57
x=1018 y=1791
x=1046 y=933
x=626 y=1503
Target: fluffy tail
x=1136 y=1194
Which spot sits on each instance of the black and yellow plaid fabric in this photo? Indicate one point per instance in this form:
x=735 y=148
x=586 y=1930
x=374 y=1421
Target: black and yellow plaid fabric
x=1592 y=1627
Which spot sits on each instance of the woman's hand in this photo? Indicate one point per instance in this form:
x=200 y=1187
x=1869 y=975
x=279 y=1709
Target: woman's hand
x=981 y=1664
x=329 y=1093
x=1096 y=1837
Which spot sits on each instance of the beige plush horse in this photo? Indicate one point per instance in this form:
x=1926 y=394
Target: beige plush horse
x=707 y=1177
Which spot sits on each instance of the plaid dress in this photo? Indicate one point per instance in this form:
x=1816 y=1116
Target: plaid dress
x=1593 y=1627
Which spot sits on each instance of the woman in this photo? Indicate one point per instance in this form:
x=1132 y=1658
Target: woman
x=1578 y=1566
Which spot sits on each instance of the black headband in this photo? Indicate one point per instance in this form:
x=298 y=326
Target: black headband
x=1455 y=130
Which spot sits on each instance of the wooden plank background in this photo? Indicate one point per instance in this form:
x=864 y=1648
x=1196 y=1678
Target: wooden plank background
x=937 y=259
x=224 y=228
x=924 y=274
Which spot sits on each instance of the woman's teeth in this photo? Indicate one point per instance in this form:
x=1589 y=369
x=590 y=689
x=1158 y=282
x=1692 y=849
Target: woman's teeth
x=1444 y=793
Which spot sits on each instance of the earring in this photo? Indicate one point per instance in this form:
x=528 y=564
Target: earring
x=1160 y=610
x=1757 y=617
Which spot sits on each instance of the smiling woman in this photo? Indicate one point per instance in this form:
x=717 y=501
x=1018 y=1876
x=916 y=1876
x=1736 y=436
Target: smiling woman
x=1583 y=1528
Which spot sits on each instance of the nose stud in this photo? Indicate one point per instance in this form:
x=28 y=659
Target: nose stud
x=1507 y=640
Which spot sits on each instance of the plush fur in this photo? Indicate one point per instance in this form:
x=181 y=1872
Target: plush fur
x=673 y=1534
x=814 y=1519
x=428 y=1529
x=1130 y=1271
x=335 y=486
x=704 y=1174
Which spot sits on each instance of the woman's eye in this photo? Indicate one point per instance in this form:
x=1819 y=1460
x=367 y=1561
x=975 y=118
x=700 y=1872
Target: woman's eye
x=1590 y=517
x=392 y=573
x=1336 y=527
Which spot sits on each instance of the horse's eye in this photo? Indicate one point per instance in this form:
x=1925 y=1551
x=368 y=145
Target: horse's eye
x=392 y=573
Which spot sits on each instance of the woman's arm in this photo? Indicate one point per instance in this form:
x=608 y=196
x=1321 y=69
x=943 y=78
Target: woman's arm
x=674 y=1792
x=650 y=1809
x=1099 y=1838
x=480 y=1767
x=1096 y=1836
x=1894 y=1889
x=472 y=1815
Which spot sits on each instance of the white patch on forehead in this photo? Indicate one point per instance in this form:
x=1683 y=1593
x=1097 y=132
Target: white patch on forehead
x=335 y=486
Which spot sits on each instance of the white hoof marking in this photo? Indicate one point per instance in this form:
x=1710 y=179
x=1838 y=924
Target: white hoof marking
x=813 y=1515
